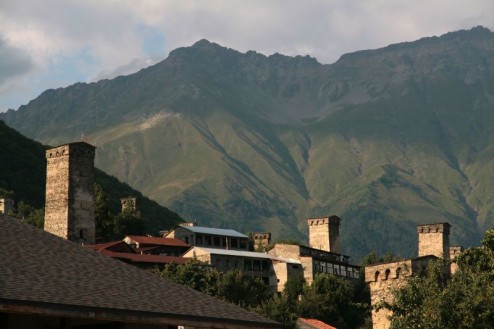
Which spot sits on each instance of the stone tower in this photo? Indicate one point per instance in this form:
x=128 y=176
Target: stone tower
x=434 y=240
x=324 y=233
x=69 y=209
x=129 y=203
x=6 y=205
x=262 y=240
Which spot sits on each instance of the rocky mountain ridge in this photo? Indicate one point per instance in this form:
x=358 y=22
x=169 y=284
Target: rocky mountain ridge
x=385 y=138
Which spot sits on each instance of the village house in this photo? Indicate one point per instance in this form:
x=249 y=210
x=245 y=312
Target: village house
x=209 y=237
x=271 y=270
x=322 y=256
x=156 y=245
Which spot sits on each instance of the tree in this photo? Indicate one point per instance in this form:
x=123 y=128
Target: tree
x=243 y=290
x=127 y=223
x=193 y=274
x=330 y=299
x=103 y=217
x=463 y=300
x=280 y=309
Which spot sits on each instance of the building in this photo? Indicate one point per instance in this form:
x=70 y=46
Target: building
x=261 y=241
x=127 y=253
x=156 y=245
x=69 y=208
x=210 y=237
x=129 y=204
x=6 y=205
x=433 y=244
x=271 y=270
x=303 y=323
x=49 y=282
x=322 y=255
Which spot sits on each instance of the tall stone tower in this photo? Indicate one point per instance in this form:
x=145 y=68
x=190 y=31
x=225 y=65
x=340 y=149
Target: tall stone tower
x=6 y=205
x=324 y=233
x=69 y=209
x=434 y=240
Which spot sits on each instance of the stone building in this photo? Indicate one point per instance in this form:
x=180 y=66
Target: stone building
x=433 y=244
x=261 y=241
x=272 y=270
x=384 y=278
x=322 y=255
x=69 y=209
x=6 y=205
x=324 y=233
x=130 y=204
x=434 y=240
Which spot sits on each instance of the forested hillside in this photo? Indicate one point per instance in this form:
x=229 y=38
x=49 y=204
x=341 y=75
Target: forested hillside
x=23 y=178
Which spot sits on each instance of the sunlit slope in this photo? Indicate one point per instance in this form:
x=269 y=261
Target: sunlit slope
x=384 y=138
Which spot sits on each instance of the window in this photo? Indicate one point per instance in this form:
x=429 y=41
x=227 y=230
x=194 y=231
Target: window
x=376 y=276
x=256 y=265
x=243 y=244
x=386 y=274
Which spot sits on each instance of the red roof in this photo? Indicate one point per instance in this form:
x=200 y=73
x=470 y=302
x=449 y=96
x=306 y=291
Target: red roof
x=313 y=324
x=103 y=246
x=157 y=241
x=138 y=258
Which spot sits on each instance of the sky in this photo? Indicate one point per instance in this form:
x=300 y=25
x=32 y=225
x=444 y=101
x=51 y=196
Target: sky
x=48 y=44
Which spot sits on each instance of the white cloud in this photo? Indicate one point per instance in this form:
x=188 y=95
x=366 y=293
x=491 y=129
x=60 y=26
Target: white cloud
x=89 y=39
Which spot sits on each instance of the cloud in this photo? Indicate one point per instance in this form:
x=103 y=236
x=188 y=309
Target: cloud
x=77 y=40
x=13 y=63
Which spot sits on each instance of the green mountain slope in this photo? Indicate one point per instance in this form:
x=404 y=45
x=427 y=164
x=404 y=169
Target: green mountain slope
x=23 y=172
x=384 y=138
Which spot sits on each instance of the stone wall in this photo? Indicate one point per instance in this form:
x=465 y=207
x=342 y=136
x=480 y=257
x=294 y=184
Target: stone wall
x=382 y=280
x=454 y=252
x=69 y=208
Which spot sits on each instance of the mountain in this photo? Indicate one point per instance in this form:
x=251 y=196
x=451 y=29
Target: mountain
x=385 y=138
x=23 y=165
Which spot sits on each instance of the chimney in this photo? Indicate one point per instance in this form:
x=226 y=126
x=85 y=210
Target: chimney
x=434 y=240
x=324 y=233
x=69 y=208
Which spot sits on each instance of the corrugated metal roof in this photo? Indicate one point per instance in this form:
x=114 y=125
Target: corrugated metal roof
x=215 y=231
x=241 y=253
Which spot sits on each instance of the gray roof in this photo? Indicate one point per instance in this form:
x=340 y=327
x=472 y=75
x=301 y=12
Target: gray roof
x=242 y=253
x=215 y=231
x=44 y=272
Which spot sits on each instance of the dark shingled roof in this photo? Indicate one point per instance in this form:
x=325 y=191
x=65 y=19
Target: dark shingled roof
x=44 y=273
